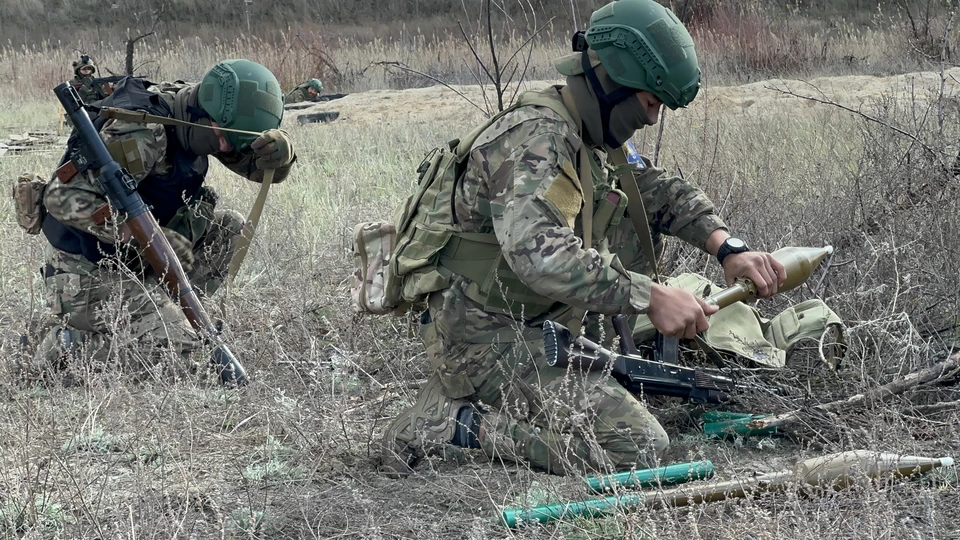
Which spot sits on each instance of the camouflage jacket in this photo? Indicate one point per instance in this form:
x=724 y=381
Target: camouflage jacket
x=296 y=95
x=515 y=186
x=154 y=154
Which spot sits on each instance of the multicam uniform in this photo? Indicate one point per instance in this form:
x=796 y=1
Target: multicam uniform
x=296 y=95
x=302 y=92
x=91 y=282
x=521 y=189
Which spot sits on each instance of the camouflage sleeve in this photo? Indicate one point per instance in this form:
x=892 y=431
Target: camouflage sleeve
x=74 y=203
x=677 y=208
x=535 y=199
x=295 y=96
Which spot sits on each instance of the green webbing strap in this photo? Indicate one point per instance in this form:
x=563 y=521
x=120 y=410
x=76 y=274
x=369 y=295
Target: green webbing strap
x=638 y=213
x=475 y=256
x=531 y=97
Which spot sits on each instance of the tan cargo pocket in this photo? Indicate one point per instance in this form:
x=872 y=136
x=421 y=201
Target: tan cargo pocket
x=416 y=261
x=28 y=202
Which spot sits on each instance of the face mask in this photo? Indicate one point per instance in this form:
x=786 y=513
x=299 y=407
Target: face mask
x=611 y=113
x=198 y=140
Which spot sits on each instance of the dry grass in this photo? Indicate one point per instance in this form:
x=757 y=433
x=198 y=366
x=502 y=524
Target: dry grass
x=291 y=456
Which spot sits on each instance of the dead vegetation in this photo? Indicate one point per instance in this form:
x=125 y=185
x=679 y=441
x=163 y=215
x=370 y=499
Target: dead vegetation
x=143 y=450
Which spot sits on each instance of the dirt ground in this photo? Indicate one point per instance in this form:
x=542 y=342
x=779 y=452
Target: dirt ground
x=435 y=103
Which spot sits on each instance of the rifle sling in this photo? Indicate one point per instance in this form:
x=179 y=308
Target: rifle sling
x=246 y=236
x=140 y=117
x=638 y=213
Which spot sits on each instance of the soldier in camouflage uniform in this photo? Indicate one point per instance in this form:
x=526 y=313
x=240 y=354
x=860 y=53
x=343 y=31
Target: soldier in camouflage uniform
x=522 y=196
x=83 y=75
x=94 y=279
x=308 y=90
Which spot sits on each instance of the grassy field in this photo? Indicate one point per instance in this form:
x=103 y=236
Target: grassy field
x=293 y=454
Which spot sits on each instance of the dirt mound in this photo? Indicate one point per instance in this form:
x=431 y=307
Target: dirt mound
x=466 y=102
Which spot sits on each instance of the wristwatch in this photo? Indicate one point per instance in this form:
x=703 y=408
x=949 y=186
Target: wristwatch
x=730 y=246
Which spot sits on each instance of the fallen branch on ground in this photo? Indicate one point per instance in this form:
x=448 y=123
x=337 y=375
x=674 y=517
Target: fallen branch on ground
x=944 y=369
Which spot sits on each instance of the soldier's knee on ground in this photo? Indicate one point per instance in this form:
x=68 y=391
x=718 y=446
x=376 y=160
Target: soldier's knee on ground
x=627 y=432
x=62 y=346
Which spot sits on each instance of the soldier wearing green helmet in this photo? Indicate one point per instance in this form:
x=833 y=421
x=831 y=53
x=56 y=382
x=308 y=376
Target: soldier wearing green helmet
x=84 y=72
x=233 y=115
x=541 y=225
x=309 y=90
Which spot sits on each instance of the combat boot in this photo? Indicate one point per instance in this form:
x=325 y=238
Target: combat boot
x=434 y=425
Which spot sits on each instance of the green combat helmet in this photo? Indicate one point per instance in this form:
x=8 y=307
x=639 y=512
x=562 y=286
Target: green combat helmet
x=83 y=62
x=240 y=94
x=315 y=84
x=644 y=46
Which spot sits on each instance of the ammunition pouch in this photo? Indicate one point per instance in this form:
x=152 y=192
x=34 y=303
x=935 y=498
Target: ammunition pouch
x=27 y=196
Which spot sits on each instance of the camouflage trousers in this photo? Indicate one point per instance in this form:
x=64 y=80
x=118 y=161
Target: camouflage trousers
x=557 y=420
x=110 y=312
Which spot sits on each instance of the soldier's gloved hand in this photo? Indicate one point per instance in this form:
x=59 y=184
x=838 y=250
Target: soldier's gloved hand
x=273 y=148
x=182 y=247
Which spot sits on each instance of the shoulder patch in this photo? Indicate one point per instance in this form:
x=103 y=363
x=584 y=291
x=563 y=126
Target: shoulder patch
x=566 y=193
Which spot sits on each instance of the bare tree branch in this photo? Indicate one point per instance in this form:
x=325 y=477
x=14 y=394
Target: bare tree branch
x=400 y=65
x=861 y=114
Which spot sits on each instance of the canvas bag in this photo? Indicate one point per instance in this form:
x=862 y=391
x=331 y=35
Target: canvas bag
x=741 y=331
x=27 y=196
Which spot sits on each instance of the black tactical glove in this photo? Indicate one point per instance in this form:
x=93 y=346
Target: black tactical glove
x=273 y=148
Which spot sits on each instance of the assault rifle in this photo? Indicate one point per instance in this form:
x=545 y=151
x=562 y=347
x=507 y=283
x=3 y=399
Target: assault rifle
x=113 y=79
x=636 y=373
x=121 y=190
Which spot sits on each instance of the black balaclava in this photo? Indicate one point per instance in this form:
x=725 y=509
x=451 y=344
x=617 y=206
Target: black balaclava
x=198 y=140
x=610 y=112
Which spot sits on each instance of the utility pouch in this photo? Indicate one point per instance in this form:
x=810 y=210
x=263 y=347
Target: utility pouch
x=608 y=214
x=809 y=321
x=28 y=202
x=375 y=288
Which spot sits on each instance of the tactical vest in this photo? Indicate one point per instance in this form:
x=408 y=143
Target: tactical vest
x=165 y=194
x=432 y=248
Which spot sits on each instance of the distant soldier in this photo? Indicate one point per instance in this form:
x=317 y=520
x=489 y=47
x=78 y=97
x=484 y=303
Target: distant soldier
x=94 y=279
x=83 y=81
x=309 y=90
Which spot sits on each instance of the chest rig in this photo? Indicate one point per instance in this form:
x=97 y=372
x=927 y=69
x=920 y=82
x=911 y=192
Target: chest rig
x=432 y=249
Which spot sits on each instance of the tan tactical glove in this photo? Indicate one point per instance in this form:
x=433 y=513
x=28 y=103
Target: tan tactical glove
x=273 y=148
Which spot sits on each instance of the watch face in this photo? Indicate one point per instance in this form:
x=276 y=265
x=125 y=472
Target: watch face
x=736 y=243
